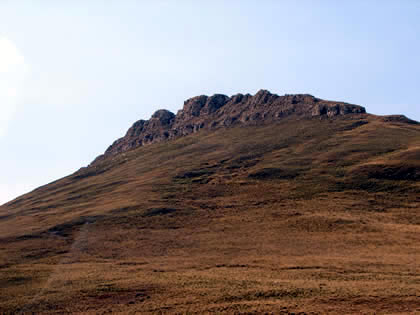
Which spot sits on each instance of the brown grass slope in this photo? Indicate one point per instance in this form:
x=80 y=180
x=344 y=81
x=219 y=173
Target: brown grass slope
x=300 y=216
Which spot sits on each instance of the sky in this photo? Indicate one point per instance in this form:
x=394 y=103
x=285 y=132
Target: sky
x=75 y=75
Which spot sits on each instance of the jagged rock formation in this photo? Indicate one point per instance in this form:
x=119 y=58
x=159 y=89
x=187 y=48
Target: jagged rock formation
x=219 y=110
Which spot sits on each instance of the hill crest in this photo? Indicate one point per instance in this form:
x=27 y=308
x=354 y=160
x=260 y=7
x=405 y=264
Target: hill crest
x=218 y=110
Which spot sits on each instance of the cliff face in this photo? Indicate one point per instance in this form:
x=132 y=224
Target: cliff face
x=210 y=112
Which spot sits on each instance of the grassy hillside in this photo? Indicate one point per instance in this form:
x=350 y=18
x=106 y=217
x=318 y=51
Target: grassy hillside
x=309 y=215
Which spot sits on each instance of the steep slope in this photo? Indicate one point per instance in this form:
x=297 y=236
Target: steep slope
x=296 y=215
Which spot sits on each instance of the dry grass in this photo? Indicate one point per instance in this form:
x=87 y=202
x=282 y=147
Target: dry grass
x=278 y=219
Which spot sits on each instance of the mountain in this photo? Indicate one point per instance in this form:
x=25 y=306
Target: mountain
x=242 y=204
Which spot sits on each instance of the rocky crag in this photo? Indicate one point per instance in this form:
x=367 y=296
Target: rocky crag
x=211 y=112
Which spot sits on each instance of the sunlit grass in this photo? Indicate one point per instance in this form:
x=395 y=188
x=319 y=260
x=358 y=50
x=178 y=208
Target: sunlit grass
x=303 y=215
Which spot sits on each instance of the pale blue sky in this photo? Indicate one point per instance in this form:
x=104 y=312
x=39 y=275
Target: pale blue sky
x=74 y=75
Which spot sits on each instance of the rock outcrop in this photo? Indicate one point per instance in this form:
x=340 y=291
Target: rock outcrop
x=219 y=110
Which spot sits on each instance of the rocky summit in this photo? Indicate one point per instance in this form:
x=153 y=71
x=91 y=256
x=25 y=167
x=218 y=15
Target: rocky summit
x=211 y=112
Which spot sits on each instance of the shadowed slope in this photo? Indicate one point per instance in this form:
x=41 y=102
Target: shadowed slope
x=302 y=214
